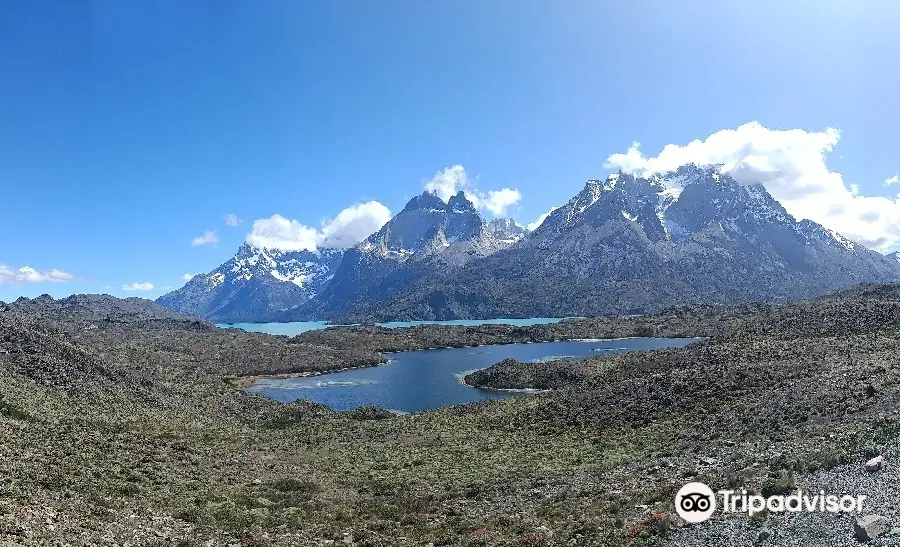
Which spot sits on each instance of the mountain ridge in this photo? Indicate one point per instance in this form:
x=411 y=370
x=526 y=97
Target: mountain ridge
x=626 y=244
x=254 y=284
x=635 y=245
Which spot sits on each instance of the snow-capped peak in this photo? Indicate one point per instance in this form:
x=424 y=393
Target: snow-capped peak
x=588 y=196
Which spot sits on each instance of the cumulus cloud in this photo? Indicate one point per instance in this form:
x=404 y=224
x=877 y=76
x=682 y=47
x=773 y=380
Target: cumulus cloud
x=208 y=237
x=449 y=181
x=231 y=219
x=892 y=180
x=146 y=286
x=354 y=224
x=497 y=201
x=791 y=164
x=27 y=274
x=277 y=232
x=346 y=229
x=540 y=220
x=187 y=277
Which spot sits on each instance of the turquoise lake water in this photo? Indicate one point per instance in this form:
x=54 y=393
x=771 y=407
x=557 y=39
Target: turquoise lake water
x=293 y=329
x=420 y=380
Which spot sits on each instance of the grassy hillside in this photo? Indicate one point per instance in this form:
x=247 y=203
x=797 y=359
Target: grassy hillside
x=118 y=426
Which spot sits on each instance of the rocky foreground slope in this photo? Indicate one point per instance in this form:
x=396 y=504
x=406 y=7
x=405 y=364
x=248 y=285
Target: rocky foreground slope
x=144 y=442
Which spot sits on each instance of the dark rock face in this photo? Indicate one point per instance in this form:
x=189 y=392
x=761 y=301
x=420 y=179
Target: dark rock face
x=255 y=284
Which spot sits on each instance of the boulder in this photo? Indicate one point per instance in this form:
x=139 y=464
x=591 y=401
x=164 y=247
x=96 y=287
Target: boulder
x=870 y=527
x=875 y=464
x=762 y=536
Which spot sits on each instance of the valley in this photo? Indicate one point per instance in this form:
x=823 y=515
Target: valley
x=119 y=428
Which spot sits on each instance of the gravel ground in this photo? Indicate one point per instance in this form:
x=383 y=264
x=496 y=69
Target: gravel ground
x=814 y=529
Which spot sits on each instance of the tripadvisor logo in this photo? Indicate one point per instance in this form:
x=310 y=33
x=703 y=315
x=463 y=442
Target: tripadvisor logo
x=696 y=502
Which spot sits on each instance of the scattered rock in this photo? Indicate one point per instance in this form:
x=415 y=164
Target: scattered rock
x=875 y=464
x=762 y=536
x=870 y=527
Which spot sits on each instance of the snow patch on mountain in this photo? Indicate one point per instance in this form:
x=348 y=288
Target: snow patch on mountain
x=255 y=282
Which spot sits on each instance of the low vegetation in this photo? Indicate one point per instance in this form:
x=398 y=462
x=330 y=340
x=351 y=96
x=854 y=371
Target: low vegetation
x=119 y=426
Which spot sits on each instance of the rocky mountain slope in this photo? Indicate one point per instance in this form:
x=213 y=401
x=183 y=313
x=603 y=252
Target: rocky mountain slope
x=623 y=245
x=427 y=236
x=255 y=283
x=269 y=285
x=635 y=245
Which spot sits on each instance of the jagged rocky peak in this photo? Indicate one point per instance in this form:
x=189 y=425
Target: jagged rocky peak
x=255 y=282
x=673 y=206
x=505 y=229
x=459 y=203
x=427 y=222
x=426 y=201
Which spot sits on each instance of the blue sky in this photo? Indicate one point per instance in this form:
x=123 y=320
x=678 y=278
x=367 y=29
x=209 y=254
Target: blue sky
x=127 y=129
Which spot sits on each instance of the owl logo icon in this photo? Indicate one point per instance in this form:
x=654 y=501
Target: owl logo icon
x=695 y=502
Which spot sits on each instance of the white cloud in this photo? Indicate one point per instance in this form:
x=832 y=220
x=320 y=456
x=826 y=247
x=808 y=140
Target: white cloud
x=498 y=201
x=892 y=180
x=277 y=232
x=231 y=219
x=449 y=181
x=540 y=220
x=791 y=164
x=187 y=277
x=354 y=224
x=27 y=274
x=208 y=237
x=346 y=229
x=146 y=286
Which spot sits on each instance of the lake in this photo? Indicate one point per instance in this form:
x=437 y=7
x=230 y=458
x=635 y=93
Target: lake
x=295 y=328
x=414 y=381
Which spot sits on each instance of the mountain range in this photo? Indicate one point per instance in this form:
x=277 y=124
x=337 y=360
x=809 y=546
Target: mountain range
x=624 y=245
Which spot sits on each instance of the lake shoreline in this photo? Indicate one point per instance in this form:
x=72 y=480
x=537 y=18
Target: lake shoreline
x=244 y=382
x=419 y=381
x=247 y=381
